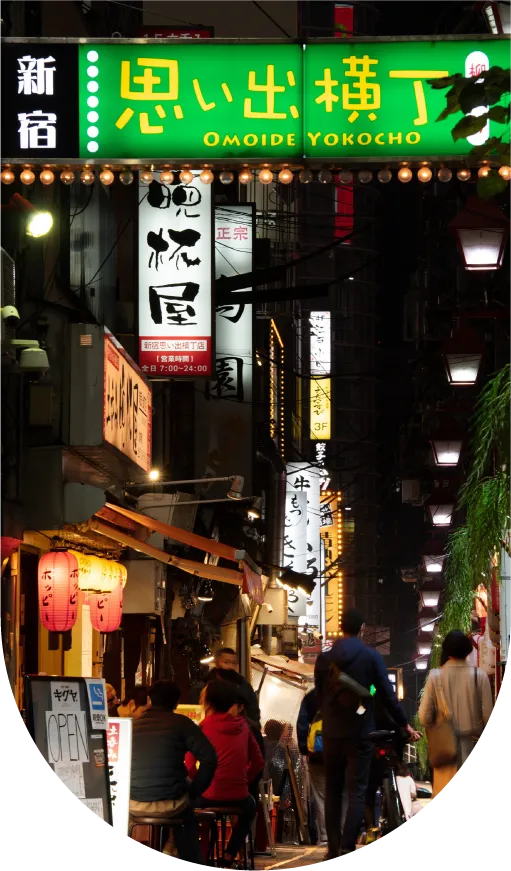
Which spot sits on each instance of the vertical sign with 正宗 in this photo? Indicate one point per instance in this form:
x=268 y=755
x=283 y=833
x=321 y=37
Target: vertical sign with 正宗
x=224 y=410
x=175 y=262
x=119 y=740
x=39 y=101
x=304 y=478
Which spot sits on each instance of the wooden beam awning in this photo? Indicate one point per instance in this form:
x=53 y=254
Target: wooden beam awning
x=202 y=570
x=200 y=542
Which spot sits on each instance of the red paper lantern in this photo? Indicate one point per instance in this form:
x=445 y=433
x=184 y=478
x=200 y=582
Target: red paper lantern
x=106 y=610
x=58 y=590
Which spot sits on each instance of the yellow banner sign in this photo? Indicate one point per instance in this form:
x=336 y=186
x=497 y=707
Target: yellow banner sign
x=127 y=413
x=320 y=392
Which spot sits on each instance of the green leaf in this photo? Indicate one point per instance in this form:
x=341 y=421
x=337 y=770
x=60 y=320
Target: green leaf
x=469 y=125
x=453 y=106
x=491 y=186
x=471 y=97
x=438 y=84
x=479 y=152
x=499 y=113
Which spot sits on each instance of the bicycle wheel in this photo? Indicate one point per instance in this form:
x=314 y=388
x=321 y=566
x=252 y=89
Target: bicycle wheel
x=392 y=811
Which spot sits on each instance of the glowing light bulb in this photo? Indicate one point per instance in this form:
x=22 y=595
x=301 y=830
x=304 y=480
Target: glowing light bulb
x=186 y=176
x=463 y=174
x=67 y=176
x=87 y=177
x=146 y=176
x=27 y=177
x=484 y=171
x=46 y=177
x=106 y=177
x=154 y=475
x=245 y=176
x=425 y=174
x=405 y=174
x=7 y=176
x=266 y=176
x=167 y=176
x=206 y=176
x=285 y=176
x=505 y=172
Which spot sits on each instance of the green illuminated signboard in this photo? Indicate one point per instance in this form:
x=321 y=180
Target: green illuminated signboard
x=191 y=101
x=331 y=100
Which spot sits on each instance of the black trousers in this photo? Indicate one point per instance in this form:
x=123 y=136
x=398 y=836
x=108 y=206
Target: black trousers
x=347 y=763
x=240 y=831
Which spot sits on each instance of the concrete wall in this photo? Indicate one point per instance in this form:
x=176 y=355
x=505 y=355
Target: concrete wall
x=231 y=20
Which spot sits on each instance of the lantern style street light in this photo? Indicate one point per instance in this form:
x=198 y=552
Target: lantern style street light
x=446 y=444
x=433 y=557
x=463 y=354
x=481 y=231
x=427 y=622
x=440 y=510
x=421 y=664
x=424 y=647
x=497 y=17
x=430 y=598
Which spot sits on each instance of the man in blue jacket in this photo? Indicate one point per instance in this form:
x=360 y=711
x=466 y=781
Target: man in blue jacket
x=347 y=750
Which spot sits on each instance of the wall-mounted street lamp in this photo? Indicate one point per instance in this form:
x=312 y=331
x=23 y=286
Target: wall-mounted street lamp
x=463 y=354
x=430 y=598
x=421 y=664
x=38 y=222
x=446 y=444
x=433 y=557
x=440 y=510
x=481 y=231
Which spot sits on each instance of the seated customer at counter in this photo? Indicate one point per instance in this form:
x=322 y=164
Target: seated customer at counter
x=159 y=785
x=239 y=761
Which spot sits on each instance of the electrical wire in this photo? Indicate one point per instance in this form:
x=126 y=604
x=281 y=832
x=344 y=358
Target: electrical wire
x=267 y=14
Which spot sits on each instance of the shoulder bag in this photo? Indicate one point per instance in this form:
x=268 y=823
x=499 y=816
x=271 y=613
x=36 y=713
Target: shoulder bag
x=442 y=744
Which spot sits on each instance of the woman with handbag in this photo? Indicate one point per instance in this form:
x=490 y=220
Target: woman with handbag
x=455 y=707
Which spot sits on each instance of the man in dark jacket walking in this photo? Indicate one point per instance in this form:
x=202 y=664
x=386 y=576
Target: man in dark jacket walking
x=308 y=711
x=226 y=663
x=347 y=749
x=159 y=784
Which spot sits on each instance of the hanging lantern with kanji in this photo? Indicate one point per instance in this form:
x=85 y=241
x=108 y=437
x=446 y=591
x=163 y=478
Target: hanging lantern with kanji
x=58 y=590
x=106 y=610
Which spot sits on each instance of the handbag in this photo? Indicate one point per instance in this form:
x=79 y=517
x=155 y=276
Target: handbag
x=442 y=744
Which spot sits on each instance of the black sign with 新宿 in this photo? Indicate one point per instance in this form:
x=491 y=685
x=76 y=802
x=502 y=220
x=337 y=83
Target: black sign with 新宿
x=39 y=101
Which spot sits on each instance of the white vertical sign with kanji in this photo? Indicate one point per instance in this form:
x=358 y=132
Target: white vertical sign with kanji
x=304 y=478
x=175 y=278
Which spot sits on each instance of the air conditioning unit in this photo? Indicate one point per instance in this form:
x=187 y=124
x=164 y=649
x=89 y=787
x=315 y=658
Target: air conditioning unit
x=8 y=291
x=411 y=491
x=145 y=589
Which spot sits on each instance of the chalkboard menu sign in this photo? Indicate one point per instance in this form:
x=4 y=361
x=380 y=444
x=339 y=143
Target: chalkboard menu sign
x=67 y=719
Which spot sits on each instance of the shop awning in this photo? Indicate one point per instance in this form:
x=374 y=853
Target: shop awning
x=289 y=667
x=208 y=545
x=202 y=570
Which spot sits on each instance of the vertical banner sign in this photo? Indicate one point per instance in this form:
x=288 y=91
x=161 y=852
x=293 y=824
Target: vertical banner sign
x=331 y=534
x=119 y=740
x=295 y=546
x=127 y=409
x=302 y=478
x=320 y=343
x=39 y=101
x=175 y=263
x=320 y=366
x=224 y=442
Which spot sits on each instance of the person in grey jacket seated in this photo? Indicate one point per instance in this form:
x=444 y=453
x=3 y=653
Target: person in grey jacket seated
x=159 y=783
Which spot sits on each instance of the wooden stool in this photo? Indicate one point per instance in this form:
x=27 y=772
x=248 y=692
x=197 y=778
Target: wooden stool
x=156 y=826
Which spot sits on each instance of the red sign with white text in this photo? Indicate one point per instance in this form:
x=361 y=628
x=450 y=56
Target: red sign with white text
x=175 y=356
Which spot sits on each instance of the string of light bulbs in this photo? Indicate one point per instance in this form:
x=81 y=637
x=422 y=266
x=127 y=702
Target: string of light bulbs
x=266 y=176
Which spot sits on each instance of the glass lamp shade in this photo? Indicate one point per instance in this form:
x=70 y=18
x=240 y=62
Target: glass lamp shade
x=481 y=231
x=424 y=648
x=446 y=451
x=433 y=563
x=421 y=664
x=57 y=577
x=430 y=598
x=462 y=369
x=427 y=623
x=441 y=515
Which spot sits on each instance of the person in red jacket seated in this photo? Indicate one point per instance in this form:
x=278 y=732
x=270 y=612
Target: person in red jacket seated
x=239 y=761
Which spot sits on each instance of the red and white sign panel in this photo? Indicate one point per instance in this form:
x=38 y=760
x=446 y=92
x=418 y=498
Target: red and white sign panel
x=175 y=279
x=156 y=32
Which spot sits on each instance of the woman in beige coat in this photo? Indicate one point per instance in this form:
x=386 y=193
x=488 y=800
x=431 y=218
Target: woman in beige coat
x=468 y=696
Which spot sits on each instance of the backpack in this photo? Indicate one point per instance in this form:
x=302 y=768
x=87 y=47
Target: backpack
x=344 y=693
x=315 y=735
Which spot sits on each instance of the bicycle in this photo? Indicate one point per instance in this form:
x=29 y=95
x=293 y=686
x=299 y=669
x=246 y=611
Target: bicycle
x=392 y=814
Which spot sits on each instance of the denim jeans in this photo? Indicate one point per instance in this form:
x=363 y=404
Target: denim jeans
x=347 y=763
